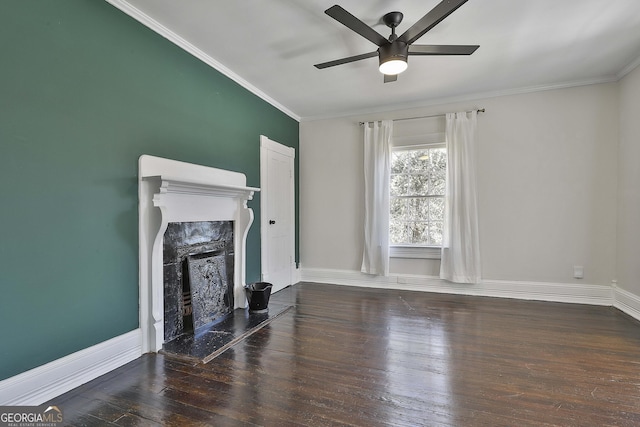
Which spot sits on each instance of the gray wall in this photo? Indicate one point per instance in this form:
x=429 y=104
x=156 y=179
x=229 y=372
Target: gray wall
x=628 y=265
x=547 y=187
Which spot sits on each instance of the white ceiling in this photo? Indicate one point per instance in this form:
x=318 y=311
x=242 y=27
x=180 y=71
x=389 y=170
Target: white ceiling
x=270 y=47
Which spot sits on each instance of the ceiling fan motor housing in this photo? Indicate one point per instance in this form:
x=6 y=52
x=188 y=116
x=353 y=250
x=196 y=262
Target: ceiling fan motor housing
x=395 y=51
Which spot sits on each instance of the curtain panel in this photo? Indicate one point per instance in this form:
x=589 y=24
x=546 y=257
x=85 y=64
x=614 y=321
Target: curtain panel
x=377 y=169
x=460 y=260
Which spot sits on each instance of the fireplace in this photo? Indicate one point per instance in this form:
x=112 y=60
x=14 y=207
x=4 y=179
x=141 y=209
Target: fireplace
x=197 y=275
x=203 y=213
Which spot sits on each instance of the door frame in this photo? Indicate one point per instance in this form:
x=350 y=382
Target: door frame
x=266 y=145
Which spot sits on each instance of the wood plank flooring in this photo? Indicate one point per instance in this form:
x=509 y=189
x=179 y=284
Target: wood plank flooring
x=370 y=357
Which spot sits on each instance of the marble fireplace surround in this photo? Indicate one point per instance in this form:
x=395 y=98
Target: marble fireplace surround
x=173 y=191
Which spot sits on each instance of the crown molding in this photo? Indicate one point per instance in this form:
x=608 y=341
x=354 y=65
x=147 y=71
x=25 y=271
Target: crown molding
x=629 y=68
x=165 y=32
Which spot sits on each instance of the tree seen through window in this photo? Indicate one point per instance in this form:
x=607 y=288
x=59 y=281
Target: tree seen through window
x=417 y=196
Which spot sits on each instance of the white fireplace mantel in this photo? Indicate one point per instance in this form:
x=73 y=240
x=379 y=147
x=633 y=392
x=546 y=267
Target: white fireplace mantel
x=173 y=191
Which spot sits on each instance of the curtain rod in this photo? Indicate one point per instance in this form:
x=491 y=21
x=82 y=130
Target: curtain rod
x=479 y=110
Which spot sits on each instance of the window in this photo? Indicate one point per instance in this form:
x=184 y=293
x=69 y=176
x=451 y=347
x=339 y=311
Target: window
x=418 y=176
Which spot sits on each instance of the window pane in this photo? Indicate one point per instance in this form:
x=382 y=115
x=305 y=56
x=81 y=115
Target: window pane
x=409 y=160
x=435 y=233
x=438 y=157
x=436 y=184
x=399 y=185
x=418 y=208
x=398 y=233
x=418 y=185
x=419 y=160
x=399 y=161
x=398 y=210
x=436 y=208
x=418 y=233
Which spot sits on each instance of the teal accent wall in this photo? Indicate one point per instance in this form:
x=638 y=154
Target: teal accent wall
x=84 y=91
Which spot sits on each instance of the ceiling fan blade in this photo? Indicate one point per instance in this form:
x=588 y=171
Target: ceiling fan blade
x=346 y=60
x=390 y=78
x=430 y=20
x=442 y=49
x=350 y=21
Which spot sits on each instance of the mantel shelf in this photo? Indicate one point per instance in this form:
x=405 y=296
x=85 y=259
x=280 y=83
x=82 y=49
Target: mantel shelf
x=171 y=185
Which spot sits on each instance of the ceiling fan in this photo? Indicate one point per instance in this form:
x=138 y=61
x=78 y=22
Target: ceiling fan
x=394 y=52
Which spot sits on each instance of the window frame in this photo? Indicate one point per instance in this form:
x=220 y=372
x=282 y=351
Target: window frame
x=416 y=251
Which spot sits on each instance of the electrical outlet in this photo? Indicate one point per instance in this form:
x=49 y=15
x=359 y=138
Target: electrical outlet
x=578 y=272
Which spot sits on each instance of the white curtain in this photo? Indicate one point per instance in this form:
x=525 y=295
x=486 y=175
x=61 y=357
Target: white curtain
x=460 y=261
x=377 y=166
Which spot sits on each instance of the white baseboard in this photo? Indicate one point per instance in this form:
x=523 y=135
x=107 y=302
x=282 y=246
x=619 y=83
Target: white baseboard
x=626 y=302
x=46 y=382
x=541 y=291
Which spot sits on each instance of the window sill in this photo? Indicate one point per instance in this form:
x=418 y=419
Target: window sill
x=418 y=252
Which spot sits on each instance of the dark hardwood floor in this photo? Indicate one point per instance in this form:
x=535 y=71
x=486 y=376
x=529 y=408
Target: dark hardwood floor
x=368 y=357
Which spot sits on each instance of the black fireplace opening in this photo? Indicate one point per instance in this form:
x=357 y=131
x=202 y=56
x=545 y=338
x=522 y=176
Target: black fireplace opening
x=198 y=271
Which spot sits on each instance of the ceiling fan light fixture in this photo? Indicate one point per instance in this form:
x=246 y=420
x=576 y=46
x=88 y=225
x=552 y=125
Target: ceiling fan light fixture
x=393 y=58
x=393 y=67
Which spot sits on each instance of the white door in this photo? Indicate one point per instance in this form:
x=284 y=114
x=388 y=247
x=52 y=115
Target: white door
x=277 y=213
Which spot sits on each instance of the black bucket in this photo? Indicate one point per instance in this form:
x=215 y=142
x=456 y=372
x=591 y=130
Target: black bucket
x=258 y=294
